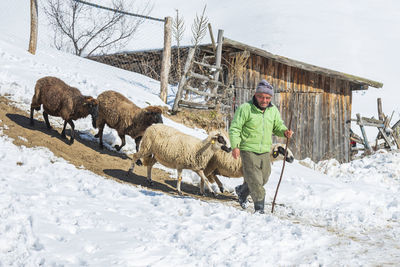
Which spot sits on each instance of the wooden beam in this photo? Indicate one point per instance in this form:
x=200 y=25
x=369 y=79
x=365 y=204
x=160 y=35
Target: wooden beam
x=212 y=37
x=183 y=80
x=207 y=65
x=370 y=122
x=364 y=83
x=385 y=137
x=396 y=133
x=183 y=103
x=380 y=113
x=203 y=77
x=166 y=60
x=218 y=58
x=194 y=90
x=360 y=123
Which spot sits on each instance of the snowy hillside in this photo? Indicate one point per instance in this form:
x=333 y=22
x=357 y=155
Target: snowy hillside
x=53 y=213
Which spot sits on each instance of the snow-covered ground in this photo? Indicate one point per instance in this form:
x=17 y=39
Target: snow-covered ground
x=54 y=214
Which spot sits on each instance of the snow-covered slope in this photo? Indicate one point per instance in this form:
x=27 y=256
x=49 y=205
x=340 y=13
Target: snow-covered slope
x=54 y=214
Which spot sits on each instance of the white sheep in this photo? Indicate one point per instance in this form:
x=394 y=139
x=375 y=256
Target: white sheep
x=224 y=164
x=174 y=149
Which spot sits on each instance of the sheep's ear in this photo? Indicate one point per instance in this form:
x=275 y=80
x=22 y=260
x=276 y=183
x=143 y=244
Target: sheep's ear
x=214 y=139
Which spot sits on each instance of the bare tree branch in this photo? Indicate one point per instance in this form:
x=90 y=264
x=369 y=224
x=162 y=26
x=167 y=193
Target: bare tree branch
x=178 y=29
x=84 y=30
x=199 y=28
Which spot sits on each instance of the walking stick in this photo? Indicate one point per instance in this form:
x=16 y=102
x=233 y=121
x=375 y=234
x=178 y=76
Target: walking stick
x=283 y=167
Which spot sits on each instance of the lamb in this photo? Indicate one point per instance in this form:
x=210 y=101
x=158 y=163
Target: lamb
x=61 y=100
x=179 y=151
x=224 y=164
x=119 y=113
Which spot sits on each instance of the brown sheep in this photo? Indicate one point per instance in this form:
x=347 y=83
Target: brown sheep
x=61 y=100
x=119 y=113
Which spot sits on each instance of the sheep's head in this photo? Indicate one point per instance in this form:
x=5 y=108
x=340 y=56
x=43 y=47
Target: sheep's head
x=93 y=107
x=153 y=115
x=278 y=153
x=219 y=141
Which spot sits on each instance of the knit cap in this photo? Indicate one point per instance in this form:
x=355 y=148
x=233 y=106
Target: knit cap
x=264 y=87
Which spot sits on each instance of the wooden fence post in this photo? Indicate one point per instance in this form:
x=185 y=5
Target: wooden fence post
x=218 y=58
x=34 y=27
x=366 y=143
x=166 y=60
x=380 y=113
x=212 y=37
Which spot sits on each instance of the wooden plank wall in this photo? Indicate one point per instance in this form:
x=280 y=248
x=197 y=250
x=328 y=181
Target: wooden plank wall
x=320 y=105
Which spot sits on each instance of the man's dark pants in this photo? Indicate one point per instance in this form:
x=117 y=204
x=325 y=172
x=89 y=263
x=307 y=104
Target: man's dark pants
x=256 y=172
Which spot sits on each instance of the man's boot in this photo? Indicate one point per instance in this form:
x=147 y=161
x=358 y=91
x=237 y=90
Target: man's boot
x=259 y=207
x=243 y=192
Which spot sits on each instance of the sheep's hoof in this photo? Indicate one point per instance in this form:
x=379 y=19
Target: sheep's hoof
x=139 y=162
x=151 y=183
x=180 y=193
x=221 y=189
x=117 y=147
x=96 y=136
x=71 y=141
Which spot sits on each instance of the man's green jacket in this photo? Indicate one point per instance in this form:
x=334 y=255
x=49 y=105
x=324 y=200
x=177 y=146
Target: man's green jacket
x=251 y=129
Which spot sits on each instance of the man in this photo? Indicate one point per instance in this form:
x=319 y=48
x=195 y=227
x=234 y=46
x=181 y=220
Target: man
x=251 y=139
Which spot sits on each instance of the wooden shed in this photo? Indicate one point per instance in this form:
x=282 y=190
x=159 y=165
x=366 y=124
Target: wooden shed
x=319 y=99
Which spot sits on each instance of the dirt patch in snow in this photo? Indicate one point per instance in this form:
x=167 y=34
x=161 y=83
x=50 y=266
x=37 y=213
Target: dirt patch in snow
x=87 y=155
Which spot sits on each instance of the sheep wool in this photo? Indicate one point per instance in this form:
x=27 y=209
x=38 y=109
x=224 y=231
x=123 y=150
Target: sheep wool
x=61 y=100
x=119 y=113
x=177 y=150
